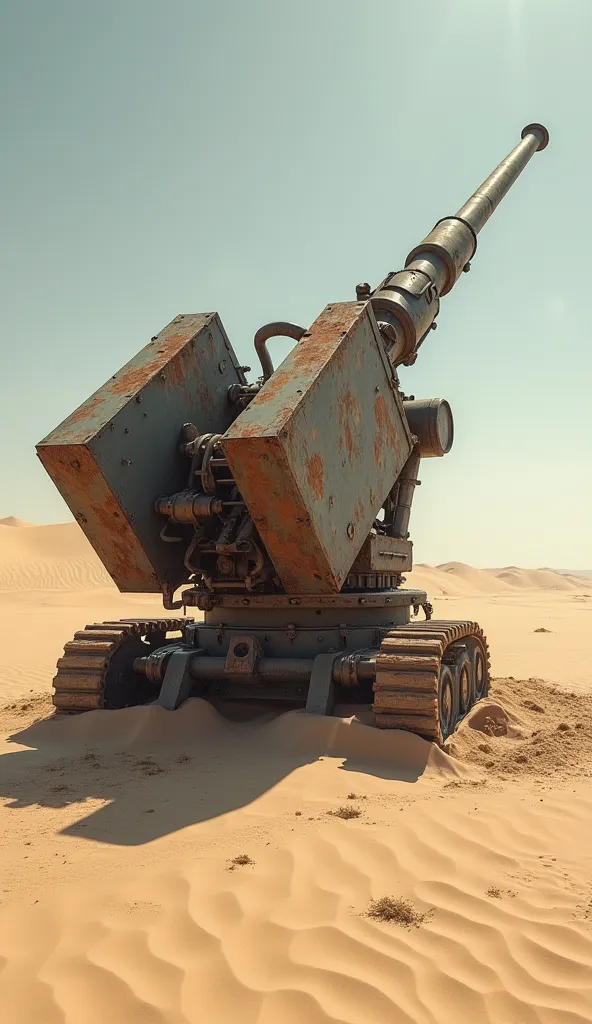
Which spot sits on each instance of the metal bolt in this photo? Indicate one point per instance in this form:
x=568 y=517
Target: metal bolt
x=388 y=332
x=75 y=464
x=222 y=366
x=350 y=530
x=320 y=639
x=154 y=337
x=126 y=462
x=466 y=268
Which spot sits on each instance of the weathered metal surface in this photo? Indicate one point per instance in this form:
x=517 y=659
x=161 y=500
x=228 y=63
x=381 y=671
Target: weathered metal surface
x=117 y=453
x=340 y=602
x=430 y=419
x=384 y=554
x=407 y=302
x=88 y=674
x=416 y=687
x=316 y=452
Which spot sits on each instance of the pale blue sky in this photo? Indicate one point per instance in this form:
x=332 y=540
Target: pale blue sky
x=259 y=158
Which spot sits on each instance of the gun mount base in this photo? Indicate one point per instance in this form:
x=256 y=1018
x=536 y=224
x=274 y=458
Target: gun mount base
x=361 y=650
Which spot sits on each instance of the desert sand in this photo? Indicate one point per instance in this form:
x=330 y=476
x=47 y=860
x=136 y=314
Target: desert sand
x=178 y=867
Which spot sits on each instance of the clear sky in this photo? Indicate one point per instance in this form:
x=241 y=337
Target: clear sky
x=259 y=157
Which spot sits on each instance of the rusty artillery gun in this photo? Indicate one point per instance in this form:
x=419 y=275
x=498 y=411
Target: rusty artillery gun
x=282 y=505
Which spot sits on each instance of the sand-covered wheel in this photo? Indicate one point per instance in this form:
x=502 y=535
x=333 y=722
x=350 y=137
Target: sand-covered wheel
x=97 y=666
x=465 y=681
x=428 y=677
x=480 y=660
x=447 y=713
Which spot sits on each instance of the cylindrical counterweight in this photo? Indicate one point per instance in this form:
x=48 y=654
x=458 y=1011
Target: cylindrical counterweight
x=407 y=302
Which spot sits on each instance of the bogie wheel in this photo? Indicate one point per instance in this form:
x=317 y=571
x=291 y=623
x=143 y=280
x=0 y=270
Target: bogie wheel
x=124 y=688
x=466 y=683
x=416 y=686
x=97 y=667
x=446 y=702
x=480 y=671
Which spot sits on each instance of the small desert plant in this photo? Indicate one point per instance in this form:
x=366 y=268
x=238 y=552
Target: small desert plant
x=346 y=812
x=497 y=894
x=396 y=910
x=240 y=861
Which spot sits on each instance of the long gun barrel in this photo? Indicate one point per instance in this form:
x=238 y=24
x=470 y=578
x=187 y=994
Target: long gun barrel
x=406 y=303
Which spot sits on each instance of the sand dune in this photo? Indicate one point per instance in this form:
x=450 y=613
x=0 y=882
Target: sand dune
x=185 y=935
x=48 y=558
x=456 y=579
x=171 y=868
x=58 y=557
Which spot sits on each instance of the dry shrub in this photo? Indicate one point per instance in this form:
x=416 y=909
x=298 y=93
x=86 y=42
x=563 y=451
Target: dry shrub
x=396 y=910
x=346 y=812
x=240 y=861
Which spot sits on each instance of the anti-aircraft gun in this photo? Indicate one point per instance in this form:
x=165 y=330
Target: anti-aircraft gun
x=283 y=505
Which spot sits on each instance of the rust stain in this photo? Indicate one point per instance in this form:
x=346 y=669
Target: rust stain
x=272 y=387
x=281 y=518
x=358 y=511
x=154 y=358
x=386 y=433
x=85 y=411
x=170 y=360
x=309 y=358
x=315 y=475
x=85 y=490
x=350 y=420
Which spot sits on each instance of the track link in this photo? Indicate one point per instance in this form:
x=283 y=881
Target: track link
x=79 y=684
x=409 y=667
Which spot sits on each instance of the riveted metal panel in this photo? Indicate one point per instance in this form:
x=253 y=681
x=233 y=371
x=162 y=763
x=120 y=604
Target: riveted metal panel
x=119 y=451
x=317 y=451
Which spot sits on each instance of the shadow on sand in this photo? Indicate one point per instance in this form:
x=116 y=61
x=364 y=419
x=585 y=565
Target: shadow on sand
x=161 y=771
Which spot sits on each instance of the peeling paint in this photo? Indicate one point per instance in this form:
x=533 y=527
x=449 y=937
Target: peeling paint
x=386 y=433
x=315 y=475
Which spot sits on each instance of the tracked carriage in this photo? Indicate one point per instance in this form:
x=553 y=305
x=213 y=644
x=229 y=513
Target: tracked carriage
x=279 y=509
